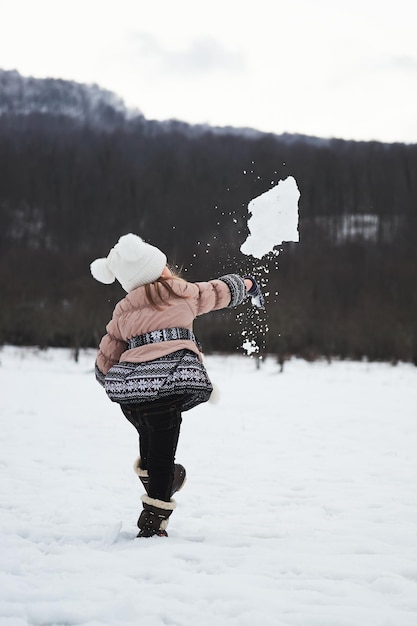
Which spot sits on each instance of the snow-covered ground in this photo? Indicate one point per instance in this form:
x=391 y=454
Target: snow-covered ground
x=300 y=507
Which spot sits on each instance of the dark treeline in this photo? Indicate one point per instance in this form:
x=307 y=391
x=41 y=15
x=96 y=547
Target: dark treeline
x=68 y=190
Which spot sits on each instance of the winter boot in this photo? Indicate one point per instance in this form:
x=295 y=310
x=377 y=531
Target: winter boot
x=154 y=518
x=180 y=476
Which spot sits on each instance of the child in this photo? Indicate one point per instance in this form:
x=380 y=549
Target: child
x=150 y=363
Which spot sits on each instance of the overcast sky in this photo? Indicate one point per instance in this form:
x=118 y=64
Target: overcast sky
x=330 y=68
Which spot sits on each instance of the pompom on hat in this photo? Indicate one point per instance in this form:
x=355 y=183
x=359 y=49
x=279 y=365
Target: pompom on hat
x=132 y=261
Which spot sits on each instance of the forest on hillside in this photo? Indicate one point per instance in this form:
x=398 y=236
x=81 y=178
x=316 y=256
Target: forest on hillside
x=68 y=190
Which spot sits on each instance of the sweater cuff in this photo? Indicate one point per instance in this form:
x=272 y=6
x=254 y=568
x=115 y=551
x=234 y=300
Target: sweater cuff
x=237 y=288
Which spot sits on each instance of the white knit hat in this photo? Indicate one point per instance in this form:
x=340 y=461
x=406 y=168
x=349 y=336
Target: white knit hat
x=132 y=261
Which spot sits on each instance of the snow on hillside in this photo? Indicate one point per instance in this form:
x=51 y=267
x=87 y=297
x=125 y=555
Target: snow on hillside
x=300 y=507
x=23 y=95
x=355 y=226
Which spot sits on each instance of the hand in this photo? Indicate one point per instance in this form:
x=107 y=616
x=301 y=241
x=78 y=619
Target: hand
x=255 y=293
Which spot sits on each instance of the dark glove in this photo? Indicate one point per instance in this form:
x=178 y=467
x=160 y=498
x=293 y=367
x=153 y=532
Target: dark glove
x=256 y=294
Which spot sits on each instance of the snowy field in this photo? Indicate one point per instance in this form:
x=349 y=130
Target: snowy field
x=300 y=507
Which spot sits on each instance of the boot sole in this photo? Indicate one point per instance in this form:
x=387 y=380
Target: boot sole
x=145 y=483
x=182 y=484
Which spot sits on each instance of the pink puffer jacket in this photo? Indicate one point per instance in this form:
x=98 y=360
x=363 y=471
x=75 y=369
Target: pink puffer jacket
x=134 y=315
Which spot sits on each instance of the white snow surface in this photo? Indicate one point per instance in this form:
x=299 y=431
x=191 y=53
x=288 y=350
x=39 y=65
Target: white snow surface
x=273 y=219
x=300 y=507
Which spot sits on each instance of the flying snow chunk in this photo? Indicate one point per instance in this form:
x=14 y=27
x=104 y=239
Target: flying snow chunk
x=274 y=219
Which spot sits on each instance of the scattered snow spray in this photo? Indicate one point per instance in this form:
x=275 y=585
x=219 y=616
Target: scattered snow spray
x=273 y=219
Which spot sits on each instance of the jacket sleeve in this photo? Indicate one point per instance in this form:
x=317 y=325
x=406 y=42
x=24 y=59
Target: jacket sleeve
x=226 y=291
x=111 y=347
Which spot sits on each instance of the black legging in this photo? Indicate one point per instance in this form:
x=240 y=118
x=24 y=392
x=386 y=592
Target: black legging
x=158 y=424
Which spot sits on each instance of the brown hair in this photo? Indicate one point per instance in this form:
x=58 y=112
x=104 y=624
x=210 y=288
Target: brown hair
x=161 y=301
